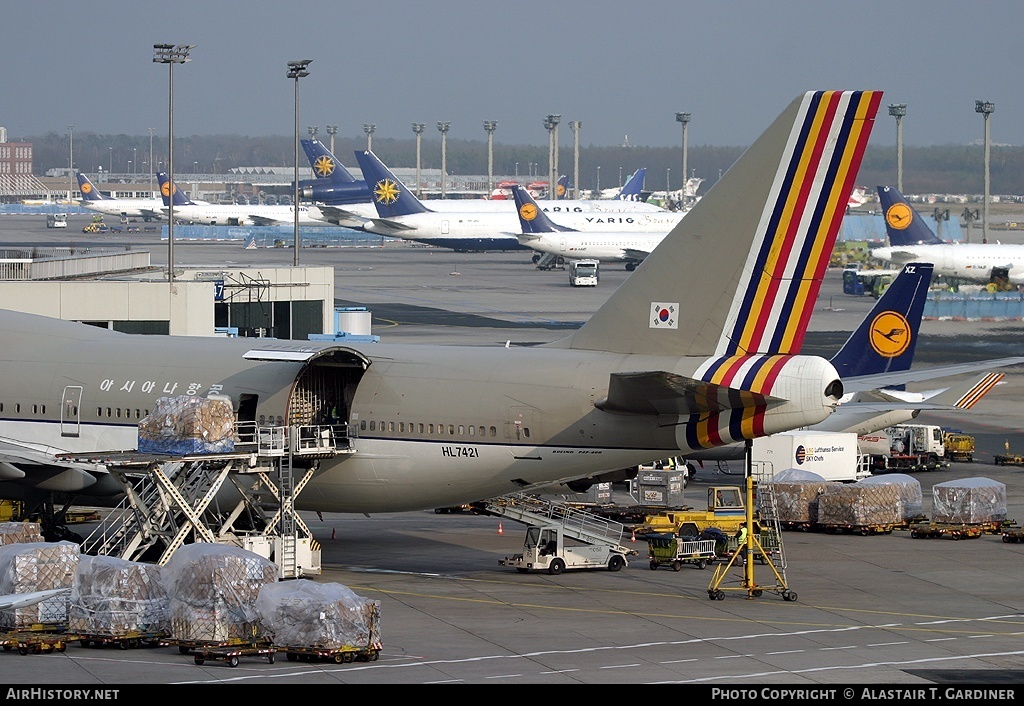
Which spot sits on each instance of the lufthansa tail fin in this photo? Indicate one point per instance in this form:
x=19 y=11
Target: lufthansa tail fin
x=89 y=190
x=390 y=196
x=324 y=164
x=631 y=190
x=885 y=341
x=166 y=189
x=531 y=218
x=562 y=188
x=903 y=224
x=739 y=275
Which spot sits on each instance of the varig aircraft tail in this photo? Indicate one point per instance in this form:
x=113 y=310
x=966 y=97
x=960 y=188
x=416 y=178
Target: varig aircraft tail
x=324 y=164
x=739 y=275
x=390 y=196
x=334 y=185
x=903 y=224
x=89 y=190
x=886 y=338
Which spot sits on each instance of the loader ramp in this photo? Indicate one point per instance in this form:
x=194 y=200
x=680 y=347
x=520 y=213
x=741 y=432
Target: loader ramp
x=577 y=524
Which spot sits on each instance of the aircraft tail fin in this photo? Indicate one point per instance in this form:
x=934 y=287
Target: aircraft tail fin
x=325 y=165
x=562 y=188
x=903 y=224
x=388 y=193
x=885 y=341
x=531 y=218
x=167 y=189
x=88 y=189
x=968 y=394
x=740 y=274
x=633 y=187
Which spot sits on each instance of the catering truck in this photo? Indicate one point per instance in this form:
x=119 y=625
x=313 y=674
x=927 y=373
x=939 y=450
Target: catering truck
x=834 y=456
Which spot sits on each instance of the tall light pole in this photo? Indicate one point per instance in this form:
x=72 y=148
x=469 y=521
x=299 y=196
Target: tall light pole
x=135 y=164
x=898 y=110
x=490 y=126
x=368 y=128
x=332 y=130
x=418 y=129
x=553 y=187
x=110 y=162
x=684 y=120
x=170 y=54
x=297 y=70
x=598 y=181
x=151 y=129
x=668 y=181
x=71 y=162
x=986 y=109
x=575 y=125
x=549 y=124
x=443 y=127
x=313 y=130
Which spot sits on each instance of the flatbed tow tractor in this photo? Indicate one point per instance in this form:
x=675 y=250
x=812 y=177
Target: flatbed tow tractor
x=37 y=639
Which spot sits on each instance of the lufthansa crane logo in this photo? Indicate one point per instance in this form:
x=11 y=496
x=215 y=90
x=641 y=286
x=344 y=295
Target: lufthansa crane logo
x=527 y=211
x=165 y=189
x=86 y=188
x=561 y=190
x=386 y=192
x=898 y=216
x=324 y=166
x=890 y=334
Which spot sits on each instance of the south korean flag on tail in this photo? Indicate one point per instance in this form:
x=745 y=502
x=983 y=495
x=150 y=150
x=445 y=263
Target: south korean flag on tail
x=664 y=315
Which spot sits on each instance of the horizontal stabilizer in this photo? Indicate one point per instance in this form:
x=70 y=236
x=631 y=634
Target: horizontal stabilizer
x=338 y=216
x=393 y=225
x=667 y=393
x=871 y=382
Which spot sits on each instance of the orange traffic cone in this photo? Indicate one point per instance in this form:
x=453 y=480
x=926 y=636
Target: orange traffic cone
x=500 y=530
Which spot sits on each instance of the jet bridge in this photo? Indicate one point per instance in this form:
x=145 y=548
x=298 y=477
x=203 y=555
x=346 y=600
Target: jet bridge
x=244 y=498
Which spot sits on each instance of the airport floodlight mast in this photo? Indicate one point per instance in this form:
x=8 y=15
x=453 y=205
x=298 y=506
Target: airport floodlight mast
x=171 y=54
x=898 y=111
x=71 y=162
x=151 y=129
x=490 y=126
x=418 y=129
x=986 y=109
x=575 y=125
x=684 y=120
x=332 y=130
x=313 y=130
x=297 y=70
x=443 y=126
x=551 y=125
x=368 y=128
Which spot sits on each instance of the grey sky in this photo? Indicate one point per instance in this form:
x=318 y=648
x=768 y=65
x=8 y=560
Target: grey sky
x=621 y=68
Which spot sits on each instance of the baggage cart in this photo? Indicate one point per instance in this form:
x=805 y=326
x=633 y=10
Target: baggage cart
x=229 y=650
x=124 y=641
x=670 y=550
x=41 y=639
x=339 y=655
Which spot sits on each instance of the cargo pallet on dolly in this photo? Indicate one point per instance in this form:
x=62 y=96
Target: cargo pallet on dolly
x=229 y=650
x=124 y=641
x=338 y=655
x=951 y=530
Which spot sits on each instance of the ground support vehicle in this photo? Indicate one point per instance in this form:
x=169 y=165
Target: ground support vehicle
x=228 y=650
x=1013 y=534
x=545 y=550
x=932 y=530
x=344 y=654
x=584 y=273
x=959 y=446
x=1008 y=460
x=669 y=550
x=57 y=220
x=124 y=641
x=863 y=530
x=39 y=639
x=725 y=511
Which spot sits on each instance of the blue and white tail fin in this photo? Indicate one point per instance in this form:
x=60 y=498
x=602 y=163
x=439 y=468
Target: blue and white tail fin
x=89 y=190
x=885 y=341
x=324 y=164
x=633 y=187
x=903 y=224
x=532 y=219
x=738 y=277
x=388 y=193
x=562 y=188
x=166 y=189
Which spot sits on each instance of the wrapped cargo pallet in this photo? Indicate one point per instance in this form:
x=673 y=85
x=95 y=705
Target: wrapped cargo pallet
x=37 y=566
x=20 y=532
x=853 y=504
x=113 y=596
x=328 y=616
x=911 y=497
x=213 y=589
x=796 y=495
x=188 y=425
x=969 y=501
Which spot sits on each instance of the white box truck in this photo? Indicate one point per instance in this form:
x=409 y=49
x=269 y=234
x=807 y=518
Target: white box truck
x=832 y=455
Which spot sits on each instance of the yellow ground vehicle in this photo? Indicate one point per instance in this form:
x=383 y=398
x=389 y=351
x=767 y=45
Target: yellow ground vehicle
x=959 y=446
x=725 y=511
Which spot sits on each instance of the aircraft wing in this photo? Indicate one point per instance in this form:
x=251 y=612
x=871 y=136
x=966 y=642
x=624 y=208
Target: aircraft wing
x=392 y=224
x=527 y=238
x=265 y=221
x=23 y=600
x=880 y=380
x=337 y=216
x=667 y=393
x=635 y=254
x=152 y=213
